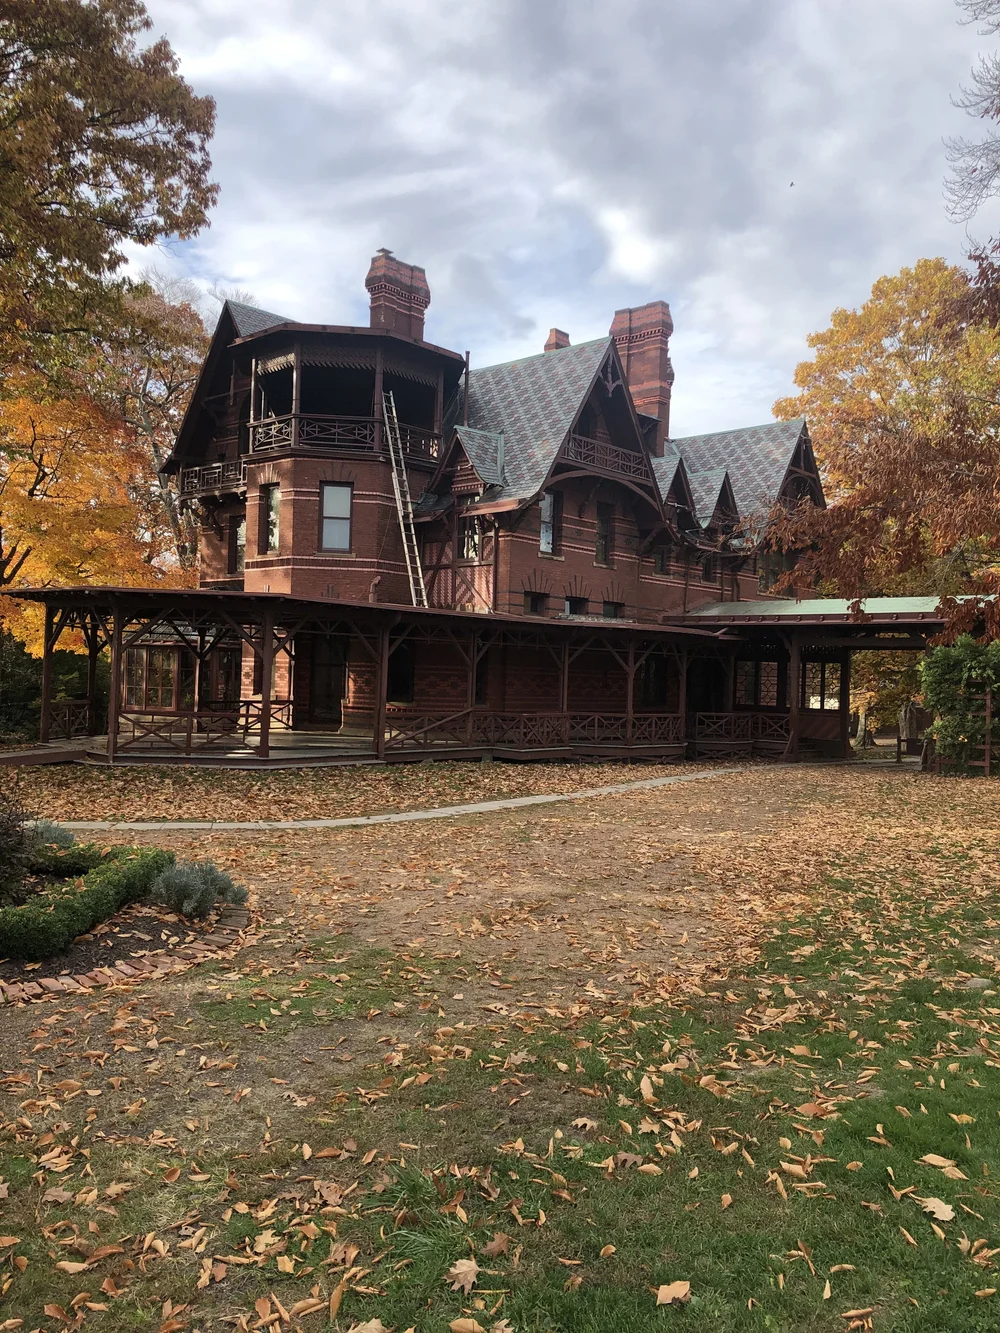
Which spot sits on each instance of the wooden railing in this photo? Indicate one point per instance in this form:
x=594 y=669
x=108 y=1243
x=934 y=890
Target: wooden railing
x=325 y=432
x=68 y=719
x=184 y=730
x=606 y=457
x=744 y=729
x=230 y=475
x=531 y=731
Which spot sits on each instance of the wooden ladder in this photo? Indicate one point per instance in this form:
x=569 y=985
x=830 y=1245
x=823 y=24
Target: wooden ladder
x=404 y=505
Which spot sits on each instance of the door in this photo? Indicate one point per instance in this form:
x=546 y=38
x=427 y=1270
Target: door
x=326 y=692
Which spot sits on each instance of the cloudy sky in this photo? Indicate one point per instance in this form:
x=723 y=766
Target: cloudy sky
x=548 y=161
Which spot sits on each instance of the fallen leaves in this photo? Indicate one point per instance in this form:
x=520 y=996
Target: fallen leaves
x=673 y=1293
x=462 y=1275
x=944 y=1212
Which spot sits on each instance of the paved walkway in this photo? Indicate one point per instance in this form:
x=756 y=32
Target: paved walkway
x=399 y=817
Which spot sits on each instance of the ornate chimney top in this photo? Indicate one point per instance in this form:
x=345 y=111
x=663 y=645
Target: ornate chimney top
x=642 y=336
x=399 y=295
x=556 y=339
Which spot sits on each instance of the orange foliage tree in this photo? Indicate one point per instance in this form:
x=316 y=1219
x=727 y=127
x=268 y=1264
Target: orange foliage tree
x=903 y=402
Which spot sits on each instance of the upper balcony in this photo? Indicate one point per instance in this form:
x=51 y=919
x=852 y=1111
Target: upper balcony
x=309 y=430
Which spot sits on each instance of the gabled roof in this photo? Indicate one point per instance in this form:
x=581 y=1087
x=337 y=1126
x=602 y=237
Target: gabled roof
x=707 y=488
x=757 y=459
x=248 y=319
x=484 y=449
x=532 y=403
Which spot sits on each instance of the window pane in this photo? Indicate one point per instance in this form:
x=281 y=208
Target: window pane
x=768 y=685
x=746 y=682
x=336 y=501
x=546 y=540
x=336 y=534
x=831 y=688
x=241 y=546
x=812 y=683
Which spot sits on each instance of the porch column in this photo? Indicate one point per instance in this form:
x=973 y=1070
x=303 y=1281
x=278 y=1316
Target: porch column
x=845 y=704
x=630 y=692
x=44 y=722
x=296 y=391
x=377 y=405
x=381 y=689
x=267 y=664
x=93 y=653
x=115 y=697
x=794 y=692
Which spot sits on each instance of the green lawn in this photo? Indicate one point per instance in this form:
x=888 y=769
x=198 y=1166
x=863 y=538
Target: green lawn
x=815 y=1138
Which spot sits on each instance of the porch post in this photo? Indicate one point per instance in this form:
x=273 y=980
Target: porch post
x=794 y=692
x=845 y=703
x=630 y=692
x=381 y=689
x=93 y=652
x=296 y=390
x=44 y=721
x=267 y=664
x=377 y=405
x=115 y=696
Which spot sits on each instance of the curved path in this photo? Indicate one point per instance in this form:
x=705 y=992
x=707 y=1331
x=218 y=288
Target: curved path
x=396 y=817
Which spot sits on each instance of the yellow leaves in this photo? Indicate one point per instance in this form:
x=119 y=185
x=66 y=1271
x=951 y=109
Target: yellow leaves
x=726 y=1201
x=673 y=1293
x=646 y=1090
x=944 y=1212
x=462 y=1275
x=607 y=1251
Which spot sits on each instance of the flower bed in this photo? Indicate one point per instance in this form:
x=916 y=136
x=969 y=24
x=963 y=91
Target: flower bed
x=49 y=921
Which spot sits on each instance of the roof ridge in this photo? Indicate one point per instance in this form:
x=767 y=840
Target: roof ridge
x=537 y=356
x=737 y=430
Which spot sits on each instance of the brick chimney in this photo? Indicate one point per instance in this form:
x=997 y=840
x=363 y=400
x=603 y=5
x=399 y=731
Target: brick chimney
x=399 y=295
x=642 y=336
x=556 y=339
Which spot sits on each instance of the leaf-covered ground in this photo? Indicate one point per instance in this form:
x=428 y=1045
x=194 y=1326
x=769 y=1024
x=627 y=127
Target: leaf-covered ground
x=720 y=1056
x=72 y=791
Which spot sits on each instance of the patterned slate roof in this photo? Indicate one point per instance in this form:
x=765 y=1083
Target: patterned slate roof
x=706 y=487
x=250 y=319
x=484 y=450
x=532 y=402
x=756 y=458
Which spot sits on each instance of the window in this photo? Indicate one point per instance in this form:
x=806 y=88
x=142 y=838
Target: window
x=821 y=686
x=709 y=569
x=399 y=687
x=550 y=507
x=270 y=515
x=661 y=560
x=613 y=610
x=770 y=567
x=756 y=685
x=237 y=545
x=605 y=546
x=469 y=539
x=149 y=678
x=536 y=603
x=576 y=606
x=335 y=516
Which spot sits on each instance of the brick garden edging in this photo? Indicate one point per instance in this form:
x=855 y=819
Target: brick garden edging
x=229 y=932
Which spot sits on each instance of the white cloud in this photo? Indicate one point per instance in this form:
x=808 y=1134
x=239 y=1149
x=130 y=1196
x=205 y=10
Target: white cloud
x=550 y=163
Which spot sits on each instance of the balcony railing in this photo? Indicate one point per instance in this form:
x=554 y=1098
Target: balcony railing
x=214 y=478
x=606 y=457
x=307 y=431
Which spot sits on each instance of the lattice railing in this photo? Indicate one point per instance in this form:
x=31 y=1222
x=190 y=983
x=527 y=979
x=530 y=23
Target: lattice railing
x=606 y=457
x=313 y=431
x=530 y=731
x=68 y=719
x=227 y=476
x=743 y=728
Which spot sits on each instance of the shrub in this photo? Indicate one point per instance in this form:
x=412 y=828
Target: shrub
x=47 y=833
x=50 y=921
x=15 y=843
x=193 y=888
x=954 y=677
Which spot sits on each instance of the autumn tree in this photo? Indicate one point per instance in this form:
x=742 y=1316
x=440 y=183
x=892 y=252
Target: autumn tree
x=102 y=142
x=902 y=397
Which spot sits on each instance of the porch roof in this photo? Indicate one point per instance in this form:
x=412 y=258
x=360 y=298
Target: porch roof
x=820 y=611
x=288 y=608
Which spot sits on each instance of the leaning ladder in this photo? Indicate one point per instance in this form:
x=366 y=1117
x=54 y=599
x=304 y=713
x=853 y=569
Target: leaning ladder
x=404 y=505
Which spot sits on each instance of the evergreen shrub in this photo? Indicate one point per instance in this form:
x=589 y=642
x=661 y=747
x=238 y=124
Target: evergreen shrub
x=954 y=678
x=193 y=888
x=48 y=922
